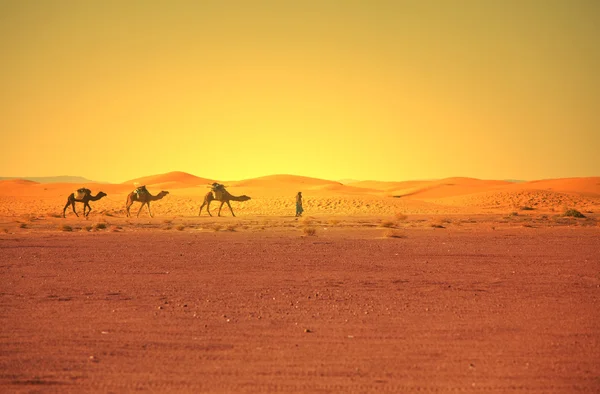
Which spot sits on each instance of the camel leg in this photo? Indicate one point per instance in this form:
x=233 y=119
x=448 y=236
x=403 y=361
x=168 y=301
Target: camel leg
x=201 y=206
x=65 y=208
x=148 y=203
x=221 y=206
x=74 y=211
x=138 y=215
x=229 y=205
x=89 y=209
x=208 y=208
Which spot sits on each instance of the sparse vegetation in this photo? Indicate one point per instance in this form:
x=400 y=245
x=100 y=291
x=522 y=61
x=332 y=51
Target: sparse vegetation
x=168 y=221
x=388 y=223
x=393 y=234
x=400 y=216
x=66 y=227
x=231 y=227
x=23 y=225
x=573 y=213
x=115 y=229
x=167 y=227
x=526 y=208
x=100 y=226
x=334 y=222
x=180 y=227
x=216 y=227
x=310 y=231
x=437 y=225
x=88 y=228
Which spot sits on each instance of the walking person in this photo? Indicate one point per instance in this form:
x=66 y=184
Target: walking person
x=299 y=208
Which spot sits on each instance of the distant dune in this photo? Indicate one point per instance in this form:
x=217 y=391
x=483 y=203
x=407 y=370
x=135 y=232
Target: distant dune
x=284 y=179
x=52 y=179
x=175 y=179
x=274 y=195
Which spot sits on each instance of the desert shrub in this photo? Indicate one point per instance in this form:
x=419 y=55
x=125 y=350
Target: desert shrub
x=23 y=225
x=115 y=229
x=66 y=227
x=400 y=216
x=181 y=227
x=310 y=231
x=167 y=228
x=217 y=227
x=88 y=228
x=5 y=230
x=308 y=221
x=54 y=215
x=437 y=225
x=231 y=227
x=100 y=226
x=526 y=208
x=388 y=223
x=390 y=233
x=573 y=213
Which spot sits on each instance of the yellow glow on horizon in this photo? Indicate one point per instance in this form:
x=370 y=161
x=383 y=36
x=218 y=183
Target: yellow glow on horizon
x=338 y=89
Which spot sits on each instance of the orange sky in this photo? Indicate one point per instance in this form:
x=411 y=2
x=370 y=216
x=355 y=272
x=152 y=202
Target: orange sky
x=385 y=90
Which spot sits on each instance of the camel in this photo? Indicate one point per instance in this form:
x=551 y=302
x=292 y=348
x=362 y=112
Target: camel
x=82 y=195
x=142 y=195
x=220 y=194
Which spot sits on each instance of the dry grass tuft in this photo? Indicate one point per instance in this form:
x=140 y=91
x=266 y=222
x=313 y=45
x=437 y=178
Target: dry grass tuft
x=23 y=225
x=310 y=231
x=400 y=216
x=66 y=227
x=115 y=229
x=168 y=221
x=181 y=227
x=231 y=227
x=308 y=221
x=388 y=223
x=100 y=226
x=216 y=227
x=88 y=228
x=393 y=234
x=54 y=215
x=573 y=213
x=167 y=228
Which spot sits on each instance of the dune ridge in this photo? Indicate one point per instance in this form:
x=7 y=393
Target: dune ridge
x=274 y=195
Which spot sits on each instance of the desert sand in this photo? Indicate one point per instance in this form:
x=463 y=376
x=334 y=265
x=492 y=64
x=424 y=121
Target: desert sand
x=424 y=286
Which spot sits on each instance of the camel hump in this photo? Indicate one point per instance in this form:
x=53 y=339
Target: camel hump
x=81 y=192
x=141 y=190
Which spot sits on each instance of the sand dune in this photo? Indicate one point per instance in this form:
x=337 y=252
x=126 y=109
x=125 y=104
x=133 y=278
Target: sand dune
x=589 y=185
x=274 y=196
x=175 y=179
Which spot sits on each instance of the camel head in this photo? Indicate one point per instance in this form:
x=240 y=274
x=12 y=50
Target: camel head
x=162 y=194
x=102 y=194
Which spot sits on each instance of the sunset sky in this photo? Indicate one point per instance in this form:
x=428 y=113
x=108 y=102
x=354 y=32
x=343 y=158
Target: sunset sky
x=382 y=90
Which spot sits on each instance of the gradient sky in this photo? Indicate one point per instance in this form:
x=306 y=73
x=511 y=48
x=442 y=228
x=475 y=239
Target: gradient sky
x=384 y=90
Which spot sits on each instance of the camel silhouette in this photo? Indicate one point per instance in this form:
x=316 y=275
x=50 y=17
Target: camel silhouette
x=220 y=194
x=142 y=195
x=82 y=195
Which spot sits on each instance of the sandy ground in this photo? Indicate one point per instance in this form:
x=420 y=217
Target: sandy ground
x=366 y=304
x=457 y=285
